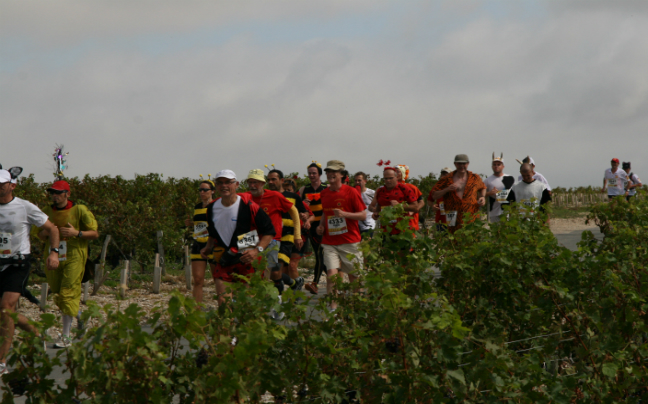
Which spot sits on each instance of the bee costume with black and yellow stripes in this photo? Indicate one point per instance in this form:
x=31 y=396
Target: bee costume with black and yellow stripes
x=200 y=233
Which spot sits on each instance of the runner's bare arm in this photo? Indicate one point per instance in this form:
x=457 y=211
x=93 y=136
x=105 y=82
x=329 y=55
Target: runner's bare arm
x=250 y=255
x=320 y=228
x=69 y=232
x=373 y=205
x=350 y=215
x=49 y=229
x=412 y=207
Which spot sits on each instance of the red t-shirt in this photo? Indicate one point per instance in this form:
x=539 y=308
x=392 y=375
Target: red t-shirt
x=349 y=200
x=273 y=204
x=400 y=193
x=414 y=221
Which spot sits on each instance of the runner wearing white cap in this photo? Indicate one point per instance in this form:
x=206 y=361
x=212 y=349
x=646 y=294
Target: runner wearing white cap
x=239 y=230
x=16 y=218
x=536 y=175
x=498 y=186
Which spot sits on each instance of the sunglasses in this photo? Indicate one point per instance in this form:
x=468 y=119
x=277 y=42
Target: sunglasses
x=204 y=189
x=55 y=192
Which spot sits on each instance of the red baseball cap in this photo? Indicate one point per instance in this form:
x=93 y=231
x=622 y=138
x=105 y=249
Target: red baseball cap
x=60 y=186
x=615 y=161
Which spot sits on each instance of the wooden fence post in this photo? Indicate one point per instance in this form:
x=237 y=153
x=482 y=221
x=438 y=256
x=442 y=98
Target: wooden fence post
x=123 y=279
x=85 y=291
x=161 y=251
x=43 y=302
x=157 y=274
x=187 y=267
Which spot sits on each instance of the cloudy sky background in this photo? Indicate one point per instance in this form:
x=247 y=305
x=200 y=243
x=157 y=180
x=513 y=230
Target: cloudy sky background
x=184 y=88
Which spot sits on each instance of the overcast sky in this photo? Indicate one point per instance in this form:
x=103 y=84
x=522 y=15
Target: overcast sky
x=191 y=87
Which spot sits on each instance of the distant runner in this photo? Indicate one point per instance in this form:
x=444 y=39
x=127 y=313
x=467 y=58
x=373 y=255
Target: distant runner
x=200 y=235
x=614 y=180
x=16 y=218
x=290 y=276
x=536 y=175
x=391 y=194
x=403 y=176
x=342 y=209
x=438 y=205
x=462 y=192
x=366 y=226
x=530 y=192
x=311 y=196
x=298 y=253
x=498 y=186
x=240 y=230
x=632 y=183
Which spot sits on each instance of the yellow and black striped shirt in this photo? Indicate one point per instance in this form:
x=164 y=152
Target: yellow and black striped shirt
x=200 y=233
x=288 y=233
x=313 y=195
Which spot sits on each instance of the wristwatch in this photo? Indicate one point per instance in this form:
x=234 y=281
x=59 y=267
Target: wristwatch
x=259 y=248
x=80 y=234
x=56 y=250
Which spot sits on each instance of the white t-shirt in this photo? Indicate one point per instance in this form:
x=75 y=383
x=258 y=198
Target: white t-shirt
x=496 y=182
x=16 y=219
x=615 y=181
x=529 y=195
x=633 y=180
x=225 y=218
x=538 y=177
x=367 y=197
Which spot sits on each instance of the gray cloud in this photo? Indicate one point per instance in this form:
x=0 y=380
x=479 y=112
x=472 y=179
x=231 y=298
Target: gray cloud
x=565 y=85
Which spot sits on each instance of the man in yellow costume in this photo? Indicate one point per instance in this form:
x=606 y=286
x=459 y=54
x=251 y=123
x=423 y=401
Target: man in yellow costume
x=77 y=225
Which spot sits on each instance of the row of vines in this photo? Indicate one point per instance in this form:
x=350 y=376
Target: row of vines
x=511 y=317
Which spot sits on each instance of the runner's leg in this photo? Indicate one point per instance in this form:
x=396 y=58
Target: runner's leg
x=198 y=274
x=7 y=306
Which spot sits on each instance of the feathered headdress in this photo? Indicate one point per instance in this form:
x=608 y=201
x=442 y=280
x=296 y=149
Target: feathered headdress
x=59 y=162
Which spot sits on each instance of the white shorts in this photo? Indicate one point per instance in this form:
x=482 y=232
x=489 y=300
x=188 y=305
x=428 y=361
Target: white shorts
x=335 y=257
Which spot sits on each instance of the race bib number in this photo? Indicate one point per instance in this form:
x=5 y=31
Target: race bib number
x=612 y=182
x=442 y=208
x=451 y=218
x=248 y=240
x=63 y=251
x=337 y=226
x=502 y=195
x=531 y=204
x=5 y=245
x=200 y=230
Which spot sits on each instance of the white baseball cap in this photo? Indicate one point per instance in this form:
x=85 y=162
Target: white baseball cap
x=229 y=174
x=5 y=176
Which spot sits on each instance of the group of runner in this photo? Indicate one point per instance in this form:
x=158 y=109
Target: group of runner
x=232 y=231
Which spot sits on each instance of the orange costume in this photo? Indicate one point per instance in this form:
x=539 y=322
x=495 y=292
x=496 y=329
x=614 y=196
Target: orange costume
x=452 y=203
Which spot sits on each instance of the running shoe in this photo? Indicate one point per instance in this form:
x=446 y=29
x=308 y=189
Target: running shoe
x=311 y=287
x=3 y=369
x=299 y=284
x=64 y=342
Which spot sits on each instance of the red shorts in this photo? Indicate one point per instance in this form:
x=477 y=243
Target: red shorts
x=226 y=274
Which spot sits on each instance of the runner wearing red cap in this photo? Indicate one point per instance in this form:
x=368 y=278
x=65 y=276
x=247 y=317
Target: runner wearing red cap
x=77 y=226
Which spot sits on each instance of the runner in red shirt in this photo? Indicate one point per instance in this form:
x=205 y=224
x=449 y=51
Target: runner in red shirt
x=274 y=204
x=403 y=176
x=342 y=207
x=391 y=194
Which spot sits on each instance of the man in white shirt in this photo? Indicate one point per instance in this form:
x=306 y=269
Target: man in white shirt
x=529 y=192
x=498 y=186
x=633 y=181
x=536 y=175
x=16 y=218
x=368 y=225
x=614 y=180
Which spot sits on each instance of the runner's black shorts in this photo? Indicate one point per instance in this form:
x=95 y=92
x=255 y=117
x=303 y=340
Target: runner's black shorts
x=285 y=250
x=14 y=278
x=301 y=251
x=195 y=251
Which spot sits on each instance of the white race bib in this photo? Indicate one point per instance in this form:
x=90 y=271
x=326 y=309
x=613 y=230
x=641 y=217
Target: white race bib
x=5 y=245
x=247 y=240
x=442 y=208
x=531 y=204
x=502 y=195
x=200 y=230
x=337 y=226
x=63 y=251
x=451 y=218
x=612 y=182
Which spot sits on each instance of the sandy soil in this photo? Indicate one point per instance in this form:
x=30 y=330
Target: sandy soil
x=562 y=226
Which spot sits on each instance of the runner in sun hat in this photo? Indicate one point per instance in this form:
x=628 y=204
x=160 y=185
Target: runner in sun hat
x=462 y=192
x=342 y=209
